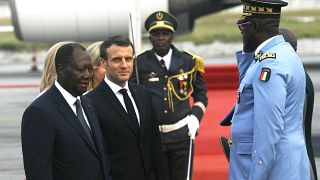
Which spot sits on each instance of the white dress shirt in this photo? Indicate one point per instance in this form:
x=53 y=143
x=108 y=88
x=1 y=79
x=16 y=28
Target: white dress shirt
x=166 y=58
x=71 y=100
x=116 y=88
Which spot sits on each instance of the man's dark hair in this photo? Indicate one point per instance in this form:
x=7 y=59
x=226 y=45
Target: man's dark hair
x=119 y=40
x=64 y=54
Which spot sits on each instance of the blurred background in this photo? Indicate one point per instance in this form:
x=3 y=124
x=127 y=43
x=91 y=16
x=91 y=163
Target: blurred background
x=207 y=28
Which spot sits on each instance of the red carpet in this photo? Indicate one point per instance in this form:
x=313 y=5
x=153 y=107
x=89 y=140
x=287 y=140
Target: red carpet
x=221 y=77
x=209 y=161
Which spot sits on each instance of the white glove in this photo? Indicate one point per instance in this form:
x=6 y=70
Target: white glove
x=193 y=125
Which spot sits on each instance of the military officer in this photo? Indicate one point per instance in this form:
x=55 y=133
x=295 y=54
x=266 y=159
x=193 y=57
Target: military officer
x=173 y=76
x=266 y=133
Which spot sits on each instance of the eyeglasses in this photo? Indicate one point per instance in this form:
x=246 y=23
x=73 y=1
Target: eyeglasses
x=244 y=25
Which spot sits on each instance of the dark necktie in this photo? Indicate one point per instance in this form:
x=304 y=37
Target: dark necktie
x=129 y=106
x=82 y=120
x=163 y=64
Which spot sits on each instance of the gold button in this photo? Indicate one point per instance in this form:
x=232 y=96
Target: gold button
x=165 y=88
x=165 y=76
x=165 y=111
x=165 y=99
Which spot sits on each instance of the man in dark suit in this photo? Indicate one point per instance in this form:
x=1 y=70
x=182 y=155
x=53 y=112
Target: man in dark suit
x=127 y=116
x=61 y=137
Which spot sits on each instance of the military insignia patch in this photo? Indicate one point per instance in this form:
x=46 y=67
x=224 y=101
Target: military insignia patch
x=265 y=74
x=153 y=77
x=266 y=56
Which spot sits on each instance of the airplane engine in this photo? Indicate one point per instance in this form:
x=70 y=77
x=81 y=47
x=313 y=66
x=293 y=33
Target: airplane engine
x=78 y=20
x=94 y=20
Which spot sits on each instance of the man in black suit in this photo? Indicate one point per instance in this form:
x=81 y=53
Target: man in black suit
x=127 y=117
x=61 y=137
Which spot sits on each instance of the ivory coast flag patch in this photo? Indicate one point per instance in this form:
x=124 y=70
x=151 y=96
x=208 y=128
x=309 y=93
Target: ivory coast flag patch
x=265 y=74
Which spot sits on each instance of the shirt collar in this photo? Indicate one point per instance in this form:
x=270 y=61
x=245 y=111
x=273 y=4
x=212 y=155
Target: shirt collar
x=67 y=96
x=166 y=58
x=263 y=44
x=115 y=87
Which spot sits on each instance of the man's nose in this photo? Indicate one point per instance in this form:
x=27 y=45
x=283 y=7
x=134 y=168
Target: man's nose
x=161 y=36
x=123 y=63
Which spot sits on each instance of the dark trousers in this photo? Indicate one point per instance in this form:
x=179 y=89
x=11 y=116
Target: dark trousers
x=175 y=158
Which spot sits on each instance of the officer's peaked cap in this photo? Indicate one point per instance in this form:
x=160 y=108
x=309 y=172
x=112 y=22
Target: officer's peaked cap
x=161 y=20
x=261 y=9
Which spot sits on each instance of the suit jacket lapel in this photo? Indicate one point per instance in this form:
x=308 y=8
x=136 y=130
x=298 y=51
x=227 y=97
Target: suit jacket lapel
x=95 y=128
x=115 y=103
x=140 y=105
x=67 y=112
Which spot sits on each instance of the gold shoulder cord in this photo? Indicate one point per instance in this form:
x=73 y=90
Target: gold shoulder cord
x=199 y=66
x=199 y=62
x=171 y=89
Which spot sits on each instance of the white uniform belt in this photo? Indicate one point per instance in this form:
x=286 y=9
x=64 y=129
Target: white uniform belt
x=173 y=127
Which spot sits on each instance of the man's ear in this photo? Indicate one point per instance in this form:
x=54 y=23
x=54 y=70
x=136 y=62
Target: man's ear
x=103 y=63
x=255 y=27
x=60 y=70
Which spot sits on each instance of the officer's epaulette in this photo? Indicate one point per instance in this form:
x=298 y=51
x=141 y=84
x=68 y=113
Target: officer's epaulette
x=268 y=55
x=199 y=61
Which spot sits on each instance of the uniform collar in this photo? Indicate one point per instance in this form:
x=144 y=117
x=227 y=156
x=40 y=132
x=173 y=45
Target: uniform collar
x=267 y=44
x=166 y=58
x=262 y=45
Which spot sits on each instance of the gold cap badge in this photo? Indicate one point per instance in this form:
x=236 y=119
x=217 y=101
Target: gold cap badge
x=159 y=16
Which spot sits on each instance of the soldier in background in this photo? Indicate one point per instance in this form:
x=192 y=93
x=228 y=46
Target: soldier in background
x=172 y=76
